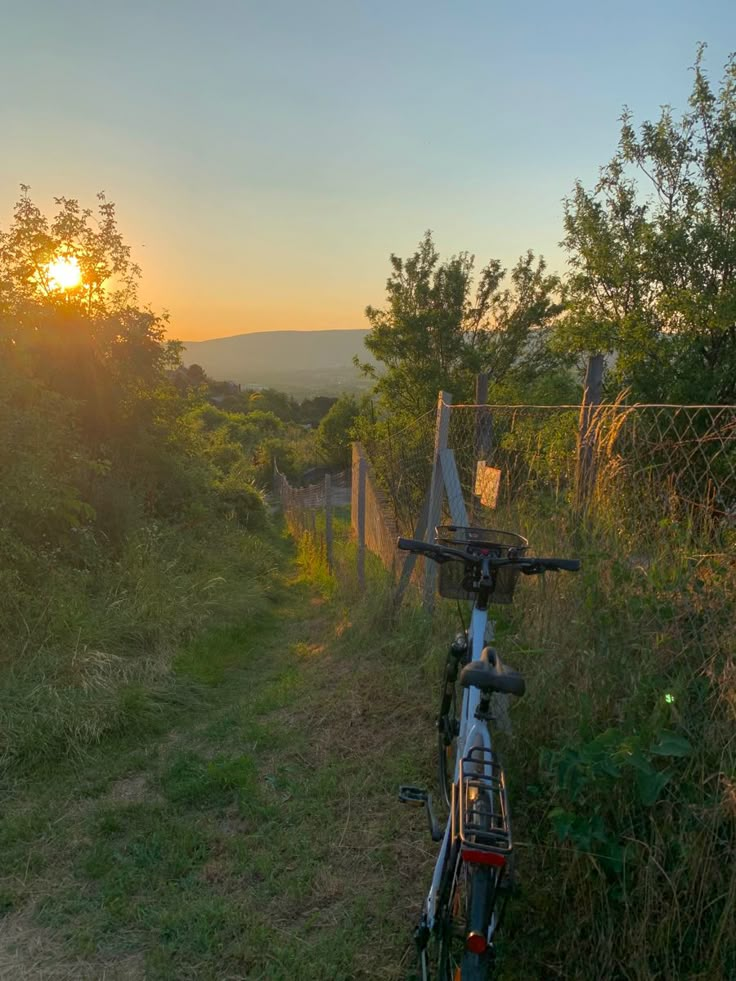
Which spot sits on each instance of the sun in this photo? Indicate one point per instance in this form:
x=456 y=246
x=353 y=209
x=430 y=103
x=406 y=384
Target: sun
x=64 y=273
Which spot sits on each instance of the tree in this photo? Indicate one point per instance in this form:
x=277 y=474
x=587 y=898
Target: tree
x=89 y=339
x=313 y=410
x=439 y=329
x=196 y=374
x=335 y=432
x=652 y=251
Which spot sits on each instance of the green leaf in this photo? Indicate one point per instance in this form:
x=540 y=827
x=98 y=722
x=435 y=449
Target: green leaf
x=671 y=744
x=562 y=822
x=639 y=762
x=650 y=786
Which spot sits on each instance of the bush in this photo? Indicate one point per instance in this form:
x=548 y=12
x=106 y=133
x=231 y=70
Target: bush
x=241 y=501
x=336 y=431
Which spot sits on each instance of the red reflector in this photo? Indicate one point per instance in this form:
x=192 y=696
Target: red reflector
x=476 y=943
x=477 y=857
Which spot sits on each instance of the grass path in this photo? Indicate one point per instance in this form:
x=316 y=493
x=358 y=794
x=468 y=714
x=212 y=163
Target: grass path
x=249 y=831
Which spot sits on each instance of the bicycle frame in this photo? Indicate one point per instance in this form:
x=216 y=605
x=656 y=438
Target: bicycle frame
x=473 y=732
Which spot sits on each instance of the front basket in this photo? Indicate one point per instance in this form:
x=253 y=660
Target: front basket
x=453 y=582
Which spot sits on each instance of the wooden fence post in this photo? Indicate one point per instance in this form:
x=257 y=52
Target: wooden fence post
x=434 y=512
x=328 y=520
x=483 y=435
x=354 y=489
x=362 y=467
x=586 y=461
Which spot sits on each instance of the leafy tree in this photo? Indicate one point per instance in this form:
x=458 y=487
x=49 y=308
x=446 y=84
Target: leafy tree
x=440 y=327
x=651 y=249
x=312 y=411
x=91 y=340
x=196 y=374
x=270 y=400
x=335 y=432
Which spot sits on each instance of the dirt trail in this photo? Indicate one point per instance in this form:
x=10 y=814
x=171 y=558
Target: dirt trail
x=252 y=832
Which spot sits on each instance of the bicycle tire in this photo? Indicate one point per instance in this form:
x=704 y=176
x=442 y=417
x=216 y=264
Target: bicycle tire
x=447 y=727
x=451 y=960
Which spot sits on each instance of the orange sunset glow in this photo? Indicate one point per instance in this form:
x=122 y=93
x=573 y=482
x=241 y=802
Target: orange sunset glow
x=64 y=273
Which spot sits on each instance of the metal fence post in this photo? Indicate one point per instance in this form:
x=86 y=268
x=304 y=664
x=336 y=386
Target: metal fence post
x=434 y=512
x=328 y=520
x=361 y=519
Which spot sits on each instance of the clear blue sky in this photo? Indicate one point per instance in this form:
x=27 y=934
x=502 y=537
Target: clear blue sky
x=266 y=157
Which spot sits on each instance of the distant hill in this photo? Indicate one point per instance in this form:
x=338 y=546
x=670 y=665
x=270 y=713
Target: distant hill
x=301 y=362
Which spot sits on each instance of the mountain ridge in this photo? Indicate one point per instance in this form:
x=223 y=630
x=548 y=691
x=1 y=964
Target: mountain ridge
x=296 y=361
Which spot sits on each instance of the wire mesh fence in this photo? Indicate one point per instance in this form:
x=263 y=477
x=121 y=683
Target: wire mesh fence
x=309 y=511
x=636 y=480
x=372 y=516
x=644 y=468
x=401 y=461
x=648 y=488
x=642 y=473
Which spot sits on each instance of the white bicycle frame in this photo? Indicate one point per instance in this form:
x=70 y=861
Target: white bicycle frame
x=473 y=732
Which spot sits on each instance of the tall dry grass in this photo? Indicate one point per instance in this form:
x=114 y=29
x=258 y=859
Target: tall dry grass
x=85 y=656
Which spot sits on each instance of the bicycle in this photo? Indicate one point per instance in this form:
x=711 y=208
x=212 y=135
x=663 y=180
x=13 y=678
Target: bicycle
x=472 y=877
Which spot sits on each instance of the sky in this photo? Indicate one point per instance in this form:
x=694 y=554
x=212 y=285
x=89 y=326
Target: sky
x=267 y=157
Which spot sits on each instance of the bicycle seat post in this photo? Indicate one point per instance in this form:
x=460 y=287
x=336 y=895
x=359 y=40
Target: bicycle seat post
x=483 y=710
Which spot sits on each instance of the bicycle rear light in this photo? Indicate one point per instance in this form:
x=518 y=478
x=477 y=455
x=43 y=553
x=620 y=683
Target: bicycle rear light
x=476 y=943
x=476 y=856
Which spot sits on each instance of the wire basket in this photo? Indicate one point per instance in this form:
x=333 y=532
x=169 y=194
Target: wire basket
x=455 y=582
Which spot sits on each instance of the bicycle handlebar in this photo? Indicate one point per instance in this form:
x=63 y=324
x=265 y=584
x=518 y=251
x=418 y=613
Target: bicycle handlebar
x=439 y=553
x=529 y=566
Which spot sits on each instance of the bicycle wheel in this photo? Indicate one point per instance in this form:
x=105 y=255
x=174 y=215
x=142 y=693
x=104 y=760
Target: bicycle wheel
x=448 y=728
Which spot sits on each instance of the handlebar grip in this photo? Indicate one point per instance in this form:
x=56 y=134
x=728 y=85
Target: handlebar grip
x=563 y=565
x=411 y=544
x=438 y=553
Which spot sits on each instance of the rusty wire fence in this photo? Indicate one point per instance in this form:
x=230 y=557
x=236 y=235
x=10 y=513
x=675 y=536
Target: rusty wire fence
x=646 y=493
x=309 y=512
x=647 y=476
x=645 y=473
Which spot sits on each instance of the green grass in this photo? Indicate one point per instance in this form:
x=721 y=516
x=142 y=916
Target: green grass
x=254 y=832
x=248 y=827
x=103 y=657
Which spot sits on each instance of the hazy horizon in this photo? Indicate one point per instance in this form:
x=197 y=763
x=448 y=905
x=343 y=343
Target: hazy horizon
x=267 y=159
x=283 y=330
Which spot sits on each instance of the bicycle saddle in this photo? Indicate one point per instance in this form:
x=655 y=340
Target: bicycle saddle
x=491 y=674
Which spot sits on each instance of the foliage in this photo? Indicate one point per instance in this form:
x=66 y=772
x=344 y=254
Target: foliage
x=309 y=412
x=439 y=330
x=651 y=253
x=336 y=431
x=128 y=499
x=589 y=779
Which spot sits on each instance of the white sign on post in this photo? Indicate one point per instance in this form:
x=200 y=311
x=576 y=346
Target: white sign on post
x=487 y=484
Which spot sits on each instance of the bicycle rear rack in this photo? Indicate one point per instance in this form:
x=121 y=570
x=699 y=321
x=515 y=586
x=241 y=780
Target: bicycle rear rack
x=481 y=815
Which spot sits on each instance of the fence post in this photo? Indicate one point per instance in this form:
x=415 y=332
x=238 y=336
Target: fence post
x=592 y=387
x=483 y=432
x=361 y=518
x=328 y=519
x=420 y=530
x=354 y=489
x=434 y=512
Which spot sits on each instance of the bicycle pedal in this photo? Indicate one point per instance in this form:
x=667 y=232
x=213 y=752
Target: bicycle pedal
x=422 y=798
x=413 y=795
